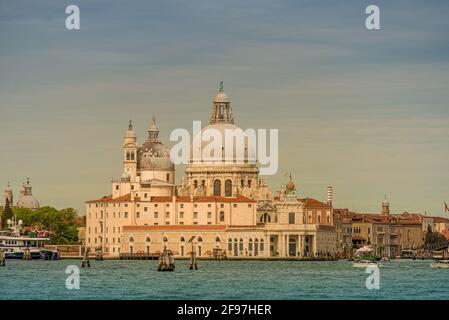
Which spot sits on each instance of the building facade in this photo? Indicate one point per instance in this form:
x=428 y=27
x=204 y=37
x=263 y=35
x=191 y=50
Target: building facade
x=220 y=206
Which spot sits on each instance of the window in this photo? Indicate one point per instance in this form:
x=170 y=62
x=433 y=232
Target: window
x=235 y=205
x=261 y=244
x=319 y=218
x=209 y=215
x=167 y=215
x=221 y=205
x=250 y=245
x=126 y=215
x=228 y=188
x=229 y=244
x=181 y=205
x=117 y=187
x=265 y=217
x=195 y=184
x=209 y=205
x=145 y=195
x=145 y=209
x=168 y=177
x=222 y=216
x=195 y=205
x=291 y=218
x=250 y=205
x=138 y=215
x=156 y=215
x=217 y=188
x=181 y=215
x=195 y=215
x=167 y=205
x=241 y=245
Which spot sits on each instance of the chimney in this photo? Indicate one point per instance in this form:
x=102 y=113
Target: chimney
x=329 y=195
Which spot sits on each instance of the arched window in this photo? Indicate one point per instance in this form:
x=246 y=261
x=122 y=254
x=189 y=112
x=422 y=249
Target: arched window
x=195 y=184
x=261 y=245
x=222 y=216
x=249 y=183
x=168 y=177
x=200 y=239
x=217 y=239
x=241 y=245
x=182 y=239
x=164 y=239
x=228 y=188
x=131 y=239
x=217 y=188
x=148 y=239
x=229 y=244
x=256 y=247
x=250 y=245
x=265 y=217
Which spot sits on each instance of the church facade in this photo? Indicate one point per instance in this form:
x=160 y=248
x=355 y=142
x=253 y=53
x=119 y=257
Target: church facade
x=224 y=206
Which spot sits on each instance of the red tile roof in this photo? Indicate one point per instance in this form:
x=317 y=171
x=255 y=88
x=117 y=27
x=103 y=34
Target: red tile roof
x=127 y=198
x=313 y=203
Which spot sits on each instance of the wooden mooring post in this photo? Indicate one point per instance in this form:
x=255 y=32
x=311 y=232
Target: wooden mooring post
x=2 y=258
x=99 y=253
x=26 y=254
x=86 y=261
x=193 y=262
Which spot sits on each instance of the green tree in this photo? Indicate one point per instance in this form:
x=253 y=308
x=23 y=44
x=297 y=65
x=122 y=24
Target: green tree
x=61 y=224
x=429 y=235
x=7 y=214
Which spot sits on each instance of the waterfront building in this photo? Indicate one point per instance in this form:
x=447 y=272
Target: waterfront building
x=388 y=234
x=224 y=206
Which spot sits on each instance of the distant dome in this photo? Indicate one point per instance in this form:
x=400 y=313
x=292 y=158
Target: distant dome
x=28 y=201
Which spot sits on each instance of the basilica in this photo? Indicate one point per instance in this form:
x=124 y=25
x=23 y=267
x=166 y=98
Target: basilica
x=223 y=207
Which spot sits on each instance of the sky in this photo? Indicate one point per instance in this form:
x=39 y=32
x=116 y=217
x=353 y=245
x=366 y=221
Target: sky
x=366 y=111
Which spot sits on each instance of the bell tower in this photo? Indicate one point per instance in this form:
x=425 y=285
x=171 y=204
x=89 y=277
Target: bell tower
x=130 y=152
x=385 y=206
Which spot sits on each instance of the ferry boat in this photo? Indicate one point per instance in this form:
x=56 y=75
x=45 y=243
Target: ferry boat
x=14 y=245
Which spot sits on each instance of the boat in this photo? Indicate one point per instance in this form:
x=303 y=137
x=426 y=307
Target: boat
x=442 y=264
x=364 y=258
x=16 y=246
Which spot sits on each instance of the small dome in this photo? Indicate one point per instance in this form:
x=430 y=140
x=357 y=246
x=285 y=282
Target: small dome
x=221 y=97
x=28 y=201
x=290 y=186
x=125 y=176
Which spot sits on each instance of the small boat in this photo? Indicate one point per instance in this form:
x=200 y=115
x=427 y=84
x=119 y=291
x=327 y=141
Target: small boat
x=365 y=261
x=442 y=264
x=364 y=258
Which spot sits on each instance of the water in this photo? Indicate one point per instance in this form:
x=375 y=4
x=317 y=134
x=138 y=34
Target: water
x=268 y=280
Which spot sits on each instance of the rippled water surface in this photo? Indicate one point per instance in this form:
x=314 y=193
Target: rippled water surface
x=222 y=280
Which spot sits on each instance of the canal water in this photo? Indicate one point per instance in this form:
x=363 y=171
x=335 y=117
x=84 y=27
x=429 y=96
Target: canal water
x=267 y=280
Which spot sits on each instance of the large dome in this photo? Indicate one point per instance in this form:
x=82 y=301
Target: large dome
x=28 y=201
x=224 y=130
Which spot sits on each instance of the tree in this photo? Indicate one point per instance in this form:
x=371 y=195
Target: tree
x=7 y=214
x=61 y=224
x=429 y=235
